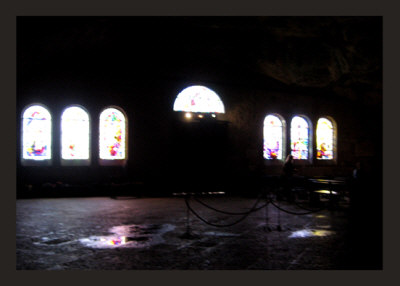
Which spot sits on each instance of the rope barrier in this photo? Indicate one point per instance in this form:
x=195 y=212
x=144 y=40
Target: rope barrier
x=231 y=213
x=222 y=225
x=294 y=213
x=245 y=214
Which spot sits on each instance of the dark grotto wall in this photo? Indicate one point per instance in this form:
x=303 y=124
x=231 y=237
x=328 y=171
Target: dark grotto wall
x=313 y=66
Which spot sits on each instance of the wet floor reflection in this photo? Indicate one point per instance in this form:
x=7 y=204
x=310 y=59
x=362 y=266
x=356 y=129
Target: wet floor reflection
x=220 y=234
x=138 y=236
x=304 y=233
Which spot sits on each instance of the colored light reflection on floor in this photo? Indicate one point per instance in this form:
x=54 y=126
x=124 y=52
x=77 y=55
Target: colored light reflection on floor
x=321 y=216
x=117 y=241
x=138 y=236
x=326 y=192
x=104 y=241
x=304 y=233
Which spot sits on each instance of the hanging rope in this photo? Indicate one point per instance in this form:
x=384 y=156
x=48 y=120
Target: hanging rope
x=245 y=214
x=253 y=209
x=232 y=213
x=294 y=213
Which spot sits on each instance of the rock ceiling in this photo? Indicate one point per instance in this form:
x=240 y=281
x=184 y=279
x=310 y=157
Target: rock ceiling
x=311 y=52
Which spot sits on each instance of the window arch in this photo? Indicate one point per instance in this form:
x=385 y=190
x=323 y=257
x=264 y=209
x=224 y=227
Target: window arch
x=300 y=138
x=199 y=99
x=325 y=136
x=112 y=135
x=75 y=134
x=36 y=134
x=273 y=137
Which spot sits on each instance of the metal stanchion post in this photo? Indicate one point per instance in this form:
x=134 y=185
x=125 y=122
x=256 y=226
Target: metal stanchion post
x=188 y=234
x=279 y=228
x=266 y=228
x=330 y=196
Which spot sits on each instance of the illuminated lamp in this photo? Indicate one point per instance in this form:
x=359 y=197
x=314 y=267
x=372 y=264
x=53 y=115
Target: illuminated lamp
x=188 y=115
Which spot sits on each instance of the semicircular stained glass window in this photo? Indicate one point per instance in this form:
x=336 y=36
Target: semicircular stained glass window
x=36 y=133
x=112 y=135
x=273 y=131
x=299 y=138
x=324 y=139
x=75 y=134
x=198 y=99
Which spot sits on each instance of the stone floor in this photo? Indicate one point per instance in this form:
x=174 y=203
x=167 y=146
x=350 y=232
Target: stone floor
x=103 y=233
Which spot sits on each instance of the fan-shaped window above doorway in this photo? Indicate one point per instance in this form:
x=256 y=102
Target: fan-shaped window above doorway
x=198 y=99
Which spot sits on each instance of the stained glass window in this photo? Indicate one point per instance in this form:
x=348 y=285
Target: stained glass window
x=75 y=134
x=198 y=99
x=299 y=138
x=324 y=139
x=36 y=133
x=112 y=135
x=273 y=131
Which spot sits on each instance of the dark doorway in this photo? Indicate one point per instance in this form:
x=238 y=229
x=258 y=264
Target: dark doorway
x=199 y=153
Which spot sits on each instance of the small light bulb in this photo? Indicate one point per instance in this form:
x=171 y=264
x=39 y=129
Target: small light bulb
x=188 y=115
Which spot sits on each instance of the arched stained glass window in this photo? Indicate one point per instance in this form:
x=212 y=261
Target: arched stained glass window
x=112 y=139
x=75 y=134
x=198 y=99
x=273 y=137
x=324 y=139
x=299 y=138
x=36 y=133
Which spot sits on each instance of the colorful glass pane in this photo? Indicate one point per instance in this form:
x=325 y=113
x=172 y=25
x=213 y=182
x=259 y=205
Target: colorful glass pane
x=36 y=133
x=112 y=134
x=272 y=137
x=299 y=138
x=198 y=99
x=75 y=134
x=324 y=139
